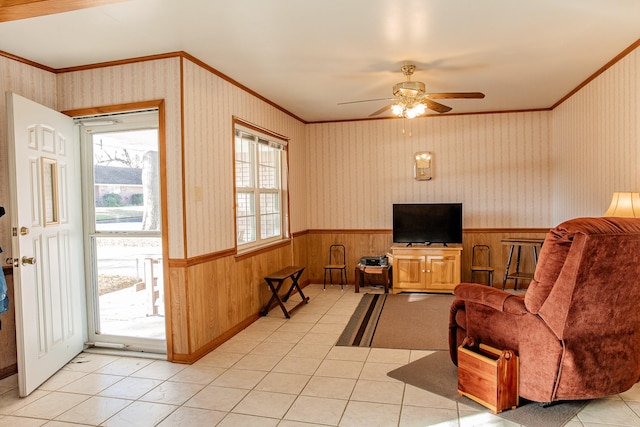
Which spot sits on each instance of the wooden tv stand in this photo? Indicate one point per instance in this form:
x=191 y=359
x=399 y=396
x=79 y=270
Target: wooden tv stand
x=425 y=268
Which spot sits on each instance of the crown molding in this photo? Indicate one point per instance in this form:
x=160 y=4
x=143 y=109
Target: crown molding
x=191 y=58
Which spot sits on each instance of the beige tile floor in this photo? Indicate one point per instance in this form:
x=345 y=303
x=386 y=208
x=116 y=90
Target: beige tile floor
x=277 y=372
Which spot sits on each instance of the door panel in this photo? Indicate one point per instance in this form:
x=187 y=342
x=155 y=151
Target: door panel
x=47 y=240
x=408 y=272
x=444 y=272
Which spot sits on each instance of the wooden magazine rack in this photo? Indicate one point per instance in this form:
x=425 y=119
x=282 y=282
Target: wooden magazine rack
x=489 y=376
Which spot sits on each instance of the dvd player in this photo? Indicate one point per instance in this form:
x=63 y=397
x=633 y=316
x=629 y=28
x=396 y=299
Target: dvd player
x=374 y=260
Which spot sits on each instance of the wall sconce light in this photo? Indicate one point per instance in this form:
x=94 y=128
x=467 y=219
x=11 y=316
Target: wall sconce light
x=624 y=204
x=422 y=166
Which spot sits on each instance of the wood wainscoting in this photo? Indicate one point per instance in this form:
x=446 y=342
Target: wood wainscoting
x=499 y=251
x=212 y=298
x=360 y=243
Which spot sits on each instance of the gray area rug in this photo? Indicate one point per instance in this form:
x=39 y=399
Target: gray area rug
x=437 y=374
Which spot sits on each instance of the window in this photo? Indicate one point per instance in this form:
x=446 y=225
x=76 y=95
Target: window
x=261 y=196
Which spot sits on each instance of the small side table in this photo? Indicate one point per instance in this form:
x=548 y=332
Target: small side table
x=535 y=244
x=361 y=270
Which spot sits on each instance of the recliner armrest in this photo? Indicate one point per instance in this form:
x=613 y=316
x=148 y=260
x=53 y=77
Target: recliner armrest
x=491 y=297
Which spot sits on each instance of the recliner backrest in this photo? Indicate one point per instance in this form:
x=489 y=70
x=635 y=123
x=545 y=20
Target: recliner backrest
x=598 y=289
x=550 y=262
x=557 y=245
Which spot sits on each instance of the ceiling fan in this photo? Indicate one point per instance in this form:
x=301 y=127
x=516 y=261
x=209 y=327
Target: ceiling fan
x=411 y=100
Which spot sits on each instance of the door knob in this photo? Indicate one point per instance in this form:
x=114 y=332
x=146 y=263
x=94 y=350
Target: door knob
x=24 y=231
x=12 y=261
x=28 y=260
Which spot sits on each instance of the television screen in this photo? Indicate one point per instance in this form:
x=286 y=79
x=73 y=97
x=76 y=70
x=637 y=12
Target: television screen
x=427 y=223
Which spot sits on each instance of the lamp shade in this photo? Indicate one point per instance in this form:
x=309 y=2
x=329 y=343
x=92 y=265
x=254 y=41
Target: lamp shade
x=624 y=204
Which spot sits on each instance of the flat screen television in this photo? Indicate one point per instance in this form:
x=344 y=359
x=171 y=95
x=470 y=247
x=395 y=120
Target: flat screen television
x=427 y=223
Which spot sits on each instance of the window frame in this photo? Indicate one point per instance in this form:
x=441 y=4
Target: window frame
x=280 y=144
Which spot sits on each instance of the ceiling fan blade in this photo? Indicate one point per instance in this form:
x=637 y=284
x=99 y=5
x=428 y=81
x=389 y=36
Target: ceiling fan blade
x=436 y=106
x=452 y=95
x=380 y=111
x=364 y=100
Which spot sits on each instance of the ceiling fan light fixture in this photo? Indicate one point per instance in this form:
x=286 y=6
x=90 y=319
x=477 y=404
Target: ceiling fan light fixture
x=420 y=109
x=397 y=109
x=411 y=99
x=408 y=109
x=411 y=114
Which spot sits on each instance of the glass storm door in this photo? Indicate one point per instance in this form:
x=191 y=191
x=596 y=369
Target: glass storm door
x=124 y=240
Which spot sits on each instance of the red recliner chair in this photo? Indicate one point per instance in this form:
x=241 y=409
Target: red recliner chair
x=577 y=327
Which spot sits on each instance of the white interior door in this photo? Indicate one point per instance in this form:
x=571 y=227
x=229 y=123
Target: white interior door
x=46 y=221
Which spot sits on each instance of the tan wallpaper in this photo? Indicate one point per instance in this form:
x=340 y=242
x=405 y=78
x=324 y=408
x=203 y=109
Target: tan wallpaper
x=143 y=81
x=530 y=169
x=596 y=142
x=210 y=103
x=31 y=83
x=497 y=165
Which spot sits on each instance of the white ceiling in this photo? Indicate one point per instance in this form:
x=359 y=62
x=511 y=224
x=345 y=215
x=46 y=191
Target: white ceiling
x=308 y=56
